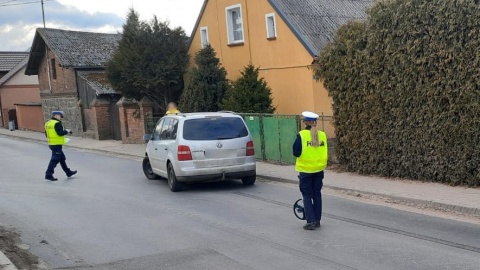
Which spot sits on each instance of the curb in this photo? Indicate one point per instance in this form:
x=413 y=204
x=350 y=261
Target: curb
x=389 y=198
x=77 y=147
x=392 y=198
x=5 y=263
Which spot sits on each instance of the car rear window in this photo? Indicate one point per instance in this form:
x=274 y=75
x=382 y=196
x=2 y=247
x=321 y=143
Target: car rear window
x=214 y=128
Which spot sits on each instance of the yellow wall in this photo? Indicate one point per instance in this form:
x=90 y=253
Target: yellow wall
x=283 y=62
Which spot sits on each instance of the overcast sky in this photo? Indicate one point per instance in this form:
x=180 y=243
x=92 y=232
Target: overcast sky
x=18 y=20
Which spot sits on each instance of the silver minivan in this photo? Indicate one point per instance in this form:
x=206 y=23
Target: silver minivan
x=193 y=147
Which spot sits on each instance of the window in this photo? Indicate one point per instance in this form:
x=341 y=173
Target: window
x=234 y=24
x=54 y=69
x=271 y=26
x=158 y=130
x=214 y=128
x=169 y=129
x=204 y=36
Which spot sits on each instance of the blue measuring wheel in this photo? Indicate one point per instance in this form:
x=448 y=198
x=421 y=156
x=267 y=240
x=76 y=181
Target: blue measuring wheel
x=299 y=210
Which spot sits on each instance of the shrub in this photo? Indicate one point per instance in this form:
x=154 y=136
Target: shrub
x=406 y=91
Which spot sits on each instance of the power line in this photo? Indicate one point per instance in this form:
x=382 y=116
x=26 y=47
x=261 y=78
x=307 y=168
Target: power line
x=8 y=1
x=25 y=3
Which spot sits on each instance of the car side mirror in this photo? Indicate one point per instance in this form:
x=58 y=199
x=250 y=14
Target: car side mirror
x=147 y=137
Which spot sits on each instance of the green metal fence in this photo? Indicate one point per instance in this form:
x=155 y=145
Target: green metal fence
x=273 y=134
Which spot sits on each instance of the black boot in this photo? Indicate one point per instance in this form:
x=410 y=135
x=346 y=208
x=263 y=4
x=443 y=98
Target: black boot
x=71 y=173
x=51 y=178
x=309 y=226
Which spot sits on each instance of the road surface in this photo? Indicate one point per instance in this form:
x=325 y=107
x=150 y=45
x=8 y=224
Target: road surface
x=110 y=216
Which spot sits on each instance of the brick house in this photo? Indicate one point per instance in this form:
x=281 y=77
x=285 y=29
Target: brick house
x=71 y=70
x=16 y=90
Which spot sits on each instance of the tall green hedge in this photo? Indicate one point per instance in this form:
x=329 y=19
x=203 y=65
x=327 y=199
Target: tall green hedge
x=406 y=90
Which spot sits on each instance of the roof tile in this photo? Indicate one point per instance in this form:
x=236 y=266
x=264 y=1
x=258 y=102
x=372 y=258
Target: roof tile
x=315 y=22
x=9 y=60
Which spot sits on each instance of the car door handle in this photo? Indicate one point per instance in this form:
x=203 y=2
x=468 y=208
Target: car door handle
x=165 y=148
x=155 y=148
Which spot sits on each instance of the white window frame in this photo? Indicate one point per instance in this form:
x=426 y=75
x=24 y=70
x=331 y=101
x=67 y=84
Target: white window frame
x=267 y=17
x=230 y=34
x=202 y=40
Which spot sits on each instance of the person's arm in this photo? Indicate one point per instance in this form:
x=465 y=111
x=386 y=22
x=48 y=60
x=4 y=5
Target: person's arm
x=297 y=146
x=59 y=129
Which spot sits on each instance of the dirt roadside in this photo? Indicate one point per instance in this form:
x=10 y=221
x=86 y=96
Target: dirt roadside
x=18 y=253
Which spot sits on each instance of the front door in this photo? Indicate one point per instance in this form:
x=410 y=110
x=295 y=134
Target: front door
x=167 y=142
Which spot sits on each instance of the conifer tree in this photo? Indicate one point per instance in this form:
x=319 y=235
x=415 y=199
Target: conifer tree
x=207 y=83
x=150 y=60
x=249 y=93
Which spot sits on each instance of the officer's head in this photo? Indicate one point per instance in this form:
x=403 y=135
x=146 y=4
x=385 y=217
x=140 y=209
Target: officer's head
x=310 y=118
x=171 y=106
x=58 y=114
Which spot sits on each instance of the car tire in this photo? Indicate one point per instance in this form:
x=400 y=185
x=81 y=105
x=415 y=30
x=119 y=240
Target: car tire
x=249 y=180
x=147 y=169
x=173 y=183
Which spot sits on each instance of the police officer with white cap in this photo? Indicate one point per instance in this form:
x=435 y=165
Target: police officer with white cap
x=311 y=150
x=55 y=133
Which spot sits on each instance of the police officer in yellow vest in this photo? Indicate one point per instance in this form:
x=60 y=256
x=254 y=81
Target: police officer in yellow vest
x=311 y=151
x=55 y=133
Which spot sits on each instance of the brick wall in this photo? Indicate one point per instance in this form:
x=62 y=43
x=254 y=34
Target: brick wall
x=101 y=118
x=132 y=119
x=65 y=81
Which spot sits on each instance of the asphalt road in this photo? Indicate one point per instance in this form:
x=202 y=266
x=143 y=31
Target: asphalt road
x=110 y=216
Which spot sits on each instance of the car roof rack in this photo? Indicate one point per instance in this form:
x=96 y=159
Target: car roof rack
x=227 y=112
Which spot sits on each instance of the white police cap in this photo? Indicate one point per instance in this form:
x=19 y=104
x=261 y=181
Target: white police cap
x=309 y=116
x=58 y=112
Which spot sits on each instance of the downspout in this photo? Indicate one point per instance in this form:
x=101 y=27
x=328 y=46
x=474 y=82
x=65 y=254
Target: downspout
x=248 y=27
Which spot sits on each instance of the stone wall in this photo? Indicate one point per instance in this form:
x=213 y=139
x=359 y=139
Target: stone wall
x=67 y=104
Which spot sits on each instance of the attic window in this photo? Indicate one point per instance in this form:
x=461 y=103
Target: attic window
x=234 y=24
x=271 y=26
x=54 y=69
x=204 y=36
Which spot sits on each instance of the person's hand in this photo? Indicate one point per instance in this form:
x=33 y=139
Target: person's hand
x=68 y=130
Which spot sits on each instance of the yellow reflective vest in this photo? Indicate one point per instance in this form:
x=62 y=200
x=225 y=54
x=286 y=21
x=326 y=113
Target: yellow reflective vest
x=312 y=159
x=52 y=136
x=175 y=111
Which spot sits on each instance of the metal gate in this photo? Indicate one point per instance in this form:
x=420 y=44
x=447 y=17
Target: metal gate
x=273 y=136
x=115 y=119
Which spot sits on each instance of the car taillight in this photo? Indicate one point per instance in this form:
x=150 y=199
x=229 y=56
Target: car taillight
x=250 y=149
x=184 y=153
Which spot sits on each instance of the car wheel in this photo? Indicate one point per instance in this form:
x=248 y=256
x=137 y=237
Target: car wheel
x=173 y=184
x=147 y=169
x=249 y=180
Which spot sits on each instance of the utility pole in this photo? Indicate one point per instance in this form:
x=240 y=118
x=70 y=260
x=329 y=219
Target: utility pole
x=46 y=52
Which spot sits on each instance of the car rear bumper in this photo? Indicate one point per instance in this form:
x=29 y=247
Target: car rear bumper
x=216 y=174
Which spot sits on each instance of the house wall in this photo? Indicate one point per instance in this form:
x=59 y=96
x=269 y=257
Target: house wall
x=62 y=96
x=65 y=81
x=21 y=79
x=11 y=94
x=284 y=62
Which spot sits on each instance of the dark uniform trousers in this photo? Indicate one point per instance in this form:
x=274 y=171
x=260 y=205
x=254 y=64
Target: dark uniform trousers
x=57 y=157
x=310 y=186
